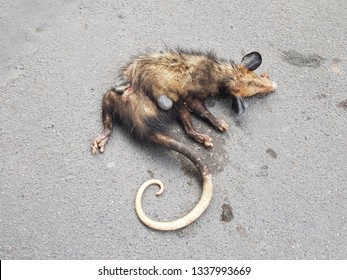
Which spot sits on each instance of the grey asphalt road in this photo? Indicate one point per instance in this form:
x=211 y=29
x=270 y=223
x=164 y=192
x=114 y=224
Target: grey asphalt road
x=281 y=167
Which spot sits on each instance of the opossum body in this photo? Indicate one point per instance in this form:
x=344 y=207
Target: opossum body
x=186 y=79
x=163 y=101
x=196 y=75
x=190 y=77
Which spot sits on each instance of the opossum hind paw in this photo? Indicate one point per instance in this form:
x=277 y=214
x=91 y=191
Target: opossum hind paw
x=100 y=142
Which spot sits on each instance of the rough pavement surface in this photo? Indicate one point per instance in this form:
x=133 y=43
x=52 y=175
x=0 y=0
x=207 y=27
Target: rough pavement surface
x=279 y=173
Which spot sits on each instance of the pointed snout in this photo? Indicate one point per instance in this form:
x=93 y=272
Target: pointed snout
x=267 y=76
x=274 y=86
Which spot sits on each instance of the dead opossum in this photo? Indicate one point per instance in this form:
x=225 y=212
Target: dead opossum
x=187 y=79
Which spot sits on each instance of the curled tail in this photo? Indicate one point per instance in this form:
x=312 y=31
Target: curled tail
x=207 y=187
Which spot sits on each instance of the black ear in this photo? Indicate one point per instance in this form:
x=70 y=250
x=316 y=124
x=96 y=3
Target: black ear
x=239 y=104
x=251 y=61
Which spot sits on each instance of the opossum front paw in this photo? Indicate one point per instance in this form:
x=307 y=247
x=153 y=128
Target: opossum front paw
x=208 y=142
x=222 y=125
x=203 y=139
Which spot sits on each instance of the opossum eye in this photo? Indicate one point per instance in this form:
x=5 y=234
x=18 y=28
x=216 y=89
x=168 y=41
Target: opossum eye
x=164 y=102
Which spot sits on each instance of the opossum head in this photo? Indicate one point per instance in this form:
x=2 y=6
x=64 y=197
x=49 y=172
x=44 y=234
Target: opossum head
x=246 y=83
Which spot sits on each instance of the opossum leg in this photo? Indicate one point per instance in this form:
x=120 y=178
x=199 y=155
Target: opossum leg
x=198 y=107
x=186 y=120
x=107 y=113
